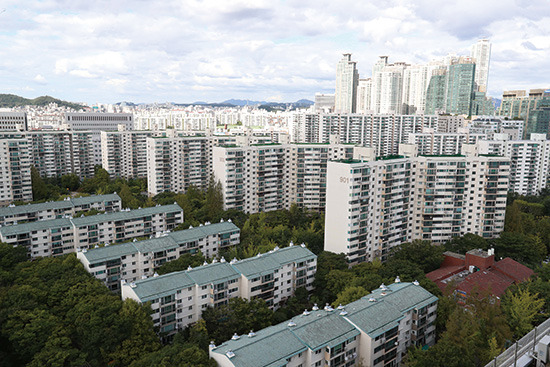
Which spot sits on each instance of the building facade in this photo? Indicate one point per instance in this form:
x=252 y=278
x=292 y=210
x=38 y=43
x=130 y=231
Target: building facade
x=58 y=209
x=347 y=78
x=374 y=204
x=372 y=331
x=13 y=121
x=66 y=235
x=179 y=298
x=131 y=261
x=15 y=171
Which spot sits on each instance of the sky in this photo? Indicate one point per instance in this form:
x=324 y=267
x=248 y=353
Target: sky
x=108 y=51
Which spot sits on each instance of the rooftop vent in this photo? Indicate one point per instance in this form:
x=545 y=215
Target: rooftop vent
x=212 y=345
x=315 y=307
x=156 y=274
x=234 y=261
x=291 y=244
x=96 y=246
x=229 y=220
x=291 y=323
x=397 y=280
x=303 y=245
x=276 y=248
x=204 y=263
x=343 y=313
x=259 y=254
x=328 y=308
x=372 y=299
x=144 y=277
x=382 y=286
x=132 y=285
x=306 y=312
x=230 y=354
x=222 y=260
x=189 y=268
x=235 y=337
x=221 y=220
x=134 y=240
x=251 y=334
x=340 y=307
x=416 y=282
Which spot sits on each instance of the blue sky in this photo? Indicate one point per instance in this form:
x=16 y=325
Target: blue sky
x=203 y=50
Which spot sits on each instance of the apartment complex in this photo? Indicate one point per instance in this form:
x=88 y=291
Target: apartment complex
x=347 y=78
x=491 y=125
x=373 y=331
x=131 y=261
x=65 y=235
x=13 y=121
x=58 y=209
x=432 y=143
x=377 y=203
x=15 y=171
x=266 y=177
x=533 y=107
x=384 y=133
x=124 y=153
x=529 y=161
x=96 y=122
x=175 y=163
x=178 y=298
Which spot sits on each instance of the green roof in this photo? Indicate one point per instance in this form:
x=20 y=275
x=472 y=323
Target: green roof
x=150 y=288
x=389 y=157
x=124 y=215
x=51 y=205
x=222 y=271
x=375 y=318
x=273 y=345
x=169 y=241
x=35 y=226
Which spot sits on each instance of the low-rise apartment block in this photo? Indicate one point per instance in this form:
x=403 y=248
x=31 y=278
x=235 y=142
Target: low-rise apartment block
x=131 y=261
x=372 y=331
x=13 y=121
x=377 y=203
x=432 y=143
x=58 y=209
x=65 y=235
x=178 y=298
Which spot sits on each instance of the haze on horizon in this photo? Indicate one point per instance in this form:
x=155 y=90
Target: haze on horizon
x=191 y=50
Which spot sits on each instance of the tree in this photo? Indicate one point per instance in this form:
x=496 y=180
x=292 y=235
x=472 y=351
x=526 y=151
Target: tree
x=70 y=182
x=521 y=307
x=421 y=253
x=524 y=248
x=466 y=243
x=182 y=263
x=39 y=189
x=349 y=295
x=214 y=200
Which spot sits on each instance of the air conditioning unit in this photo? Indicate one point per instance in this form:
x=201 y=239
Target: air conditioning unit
x=542 y=349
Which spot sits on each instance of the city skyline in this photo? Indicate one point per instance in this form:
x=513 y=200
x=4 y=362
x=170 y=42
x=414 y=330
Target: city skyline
x=284 y=51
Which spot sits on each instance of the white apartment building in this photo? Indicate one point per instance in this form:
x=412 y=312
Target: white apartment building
x=432 y=143
x=364 y=96
x=13 y=214
x=65 y=235
x=13 y=121
x=401 y=198
x=15 y=171
x=384 y=133
x=124 y=153
x=96 y=122
x=131 y=261
x=178 y=298
x=373 y=331
x=175 y=163
x=55 y=153
x=266 y=177
x=347 y=78
x=481 y=52
x=451 y=124
x=491 y=125
x=529 y=161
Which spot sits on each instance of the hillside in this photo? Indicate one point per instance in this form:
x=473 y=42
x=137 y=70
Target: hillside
x=11 y=100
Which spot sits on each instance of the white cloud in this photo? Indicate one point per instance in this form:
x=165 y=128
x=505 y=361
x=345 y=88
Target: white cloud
x=214 y=50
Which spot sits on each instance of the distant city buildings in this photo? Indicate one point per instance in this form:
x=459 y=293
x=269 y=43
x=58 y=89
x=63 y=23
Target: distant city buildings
x=481 y=54
x=372 y=331
x=13 y=121
x=347 y=78
x=532 y=107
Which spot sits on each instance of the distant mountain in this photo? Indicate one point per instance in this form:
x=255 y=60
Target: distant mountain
x=11 y=100
x=305 y=102
x=243 y=102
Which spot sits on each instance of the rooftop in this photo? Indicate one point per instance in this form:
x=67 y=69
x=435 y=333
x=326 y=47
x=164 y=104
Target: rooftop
x=326 y=328
x=51 y=205
x=217 y=272
x=125 y=215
